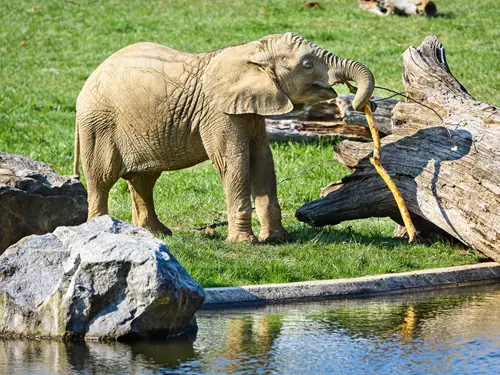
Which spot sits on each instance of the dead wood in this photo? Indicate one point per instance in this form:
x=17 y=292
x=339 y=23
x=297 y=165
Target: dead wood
x=401 y=7
x=329 y=120
x=444 y=160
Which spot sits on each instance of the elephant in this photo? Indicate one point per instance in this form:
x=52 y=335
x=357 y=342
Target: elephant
x=149 y=108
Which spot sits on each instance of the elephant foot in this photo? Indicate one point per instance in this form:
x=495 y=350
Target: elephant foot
x=159 y=228
x=242 y=237
x=274 y=236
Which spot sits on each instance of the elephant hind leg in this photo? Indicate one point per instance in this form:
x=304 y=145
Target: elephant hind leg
x=101 y=172
x=98 y=194
x=143 y=211
x=99 y=183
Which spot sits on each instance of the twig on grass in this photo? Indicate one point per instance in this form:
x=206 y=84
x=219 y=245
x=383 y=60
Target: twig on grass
x=304 y=171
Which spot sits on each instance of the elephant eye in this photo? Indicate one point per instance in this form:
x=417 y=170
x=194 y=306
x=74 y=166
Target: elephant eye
x=307 y=64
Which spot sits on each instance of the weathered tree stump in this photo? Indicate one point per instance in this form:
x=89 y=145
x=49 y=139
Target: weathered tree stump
x=329 y=120
x=444 y=158
x=401 y=7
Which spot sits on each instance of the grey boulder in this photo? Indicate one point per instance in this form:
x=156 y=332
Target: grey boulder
x=36 y=200
x=104 y=279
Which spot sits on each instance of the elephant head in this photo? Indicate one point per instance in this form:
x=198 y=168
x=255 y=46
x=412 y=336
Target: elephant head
x=271 y=74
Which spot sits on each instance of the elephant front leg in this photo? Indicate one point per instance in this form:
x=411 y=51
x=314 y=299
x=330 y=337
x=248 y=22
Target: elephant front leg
x=235 y=174
x=236 y=182
x=265 y=193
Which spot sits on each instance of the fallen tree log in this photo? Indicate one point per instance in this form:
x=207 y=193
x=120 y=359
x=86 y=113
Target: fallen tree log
x=329 y=120
x=444 y=156
x=401 y=7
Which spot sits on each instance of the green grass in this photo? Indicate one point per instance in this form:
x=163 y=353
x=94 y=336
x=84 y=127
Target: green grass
x=63 y=41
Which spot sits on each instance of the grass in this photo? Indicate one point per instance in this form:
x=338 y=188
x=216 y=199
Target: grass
x=48 y=48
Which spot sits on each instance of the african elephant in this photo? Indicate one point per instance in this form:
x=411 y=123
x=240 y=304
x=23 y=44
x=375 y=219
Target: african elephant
x=149 y=108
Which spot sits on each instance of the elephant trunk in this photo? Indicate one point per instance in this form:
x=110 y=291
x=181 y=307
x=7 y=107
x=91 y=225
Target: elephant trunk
x=343 y=70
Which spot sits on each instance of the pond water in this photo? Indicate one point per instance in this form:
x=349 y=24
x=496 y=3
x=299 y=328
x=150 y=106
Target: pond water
x=443 y=332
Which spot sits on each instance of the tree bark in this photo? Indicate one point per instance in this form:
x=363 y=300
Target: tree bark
x=329 y=120
x=443 y=156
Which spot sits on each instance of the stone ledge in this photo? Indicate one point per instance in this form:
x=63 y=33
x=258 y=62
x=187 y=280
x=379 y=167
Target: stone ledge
x=436 y=278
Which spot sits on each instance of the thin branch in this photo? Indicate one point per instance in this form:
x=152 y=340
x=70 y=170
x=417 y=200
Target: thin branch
x=382 y=99
x=411 y=99
x=213 y=226
x=304 y=171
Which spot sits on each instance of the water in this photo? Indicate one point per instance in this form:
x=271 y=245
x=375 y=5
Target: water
x=443 y=332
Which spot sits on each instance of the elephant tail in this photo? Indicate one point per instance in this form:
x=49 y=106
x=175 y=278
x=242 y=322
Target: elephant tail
x=76 y=161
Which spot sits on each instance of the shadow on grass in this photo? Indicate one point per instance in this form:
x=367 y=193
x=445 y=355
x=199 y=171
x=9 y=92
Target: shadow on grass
x=445 y=15
x=346 y=236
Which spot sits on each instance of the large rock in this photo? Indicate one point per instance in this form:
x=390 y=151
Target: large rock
x=36 y=200
x=104 y=279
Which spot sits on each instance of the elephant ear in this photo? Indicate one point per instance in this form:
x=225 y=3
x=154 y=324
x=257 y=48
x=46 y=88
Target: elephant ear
x=241 y=80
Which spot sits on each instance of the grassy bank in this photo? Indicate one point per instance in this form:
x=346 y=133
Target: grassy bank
x=49 y=48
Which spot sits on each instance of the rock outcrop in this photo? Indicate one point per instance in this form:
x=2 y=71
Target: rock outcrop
x=104 y=279
x=36 y=200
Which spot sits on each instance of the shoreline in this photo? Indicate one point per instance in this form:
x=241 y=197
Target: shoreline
x=366 y=286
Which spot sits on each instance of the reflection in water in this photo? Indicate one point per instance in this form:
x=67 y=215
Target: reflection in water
x=452 y=332
x=249 y=337
x=54 y=357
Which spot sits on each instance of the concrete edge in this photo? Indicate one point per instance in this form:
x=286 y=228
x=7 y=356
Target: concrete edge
x=355 y=287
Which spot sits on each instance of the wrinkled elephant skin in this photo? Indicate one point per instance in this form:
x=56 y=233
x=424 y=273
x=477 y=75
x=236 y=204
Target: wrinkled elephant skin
x=149 y=108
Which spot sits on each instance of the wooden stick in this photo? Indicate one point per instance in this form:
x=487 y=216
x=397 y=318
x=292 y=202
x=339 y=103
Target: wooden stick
x=373 y=131
x=375 y=160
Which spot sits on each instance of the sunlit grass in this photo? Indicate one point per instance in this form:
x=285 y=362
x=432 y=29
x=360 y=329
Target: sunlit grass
x=48 y=52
